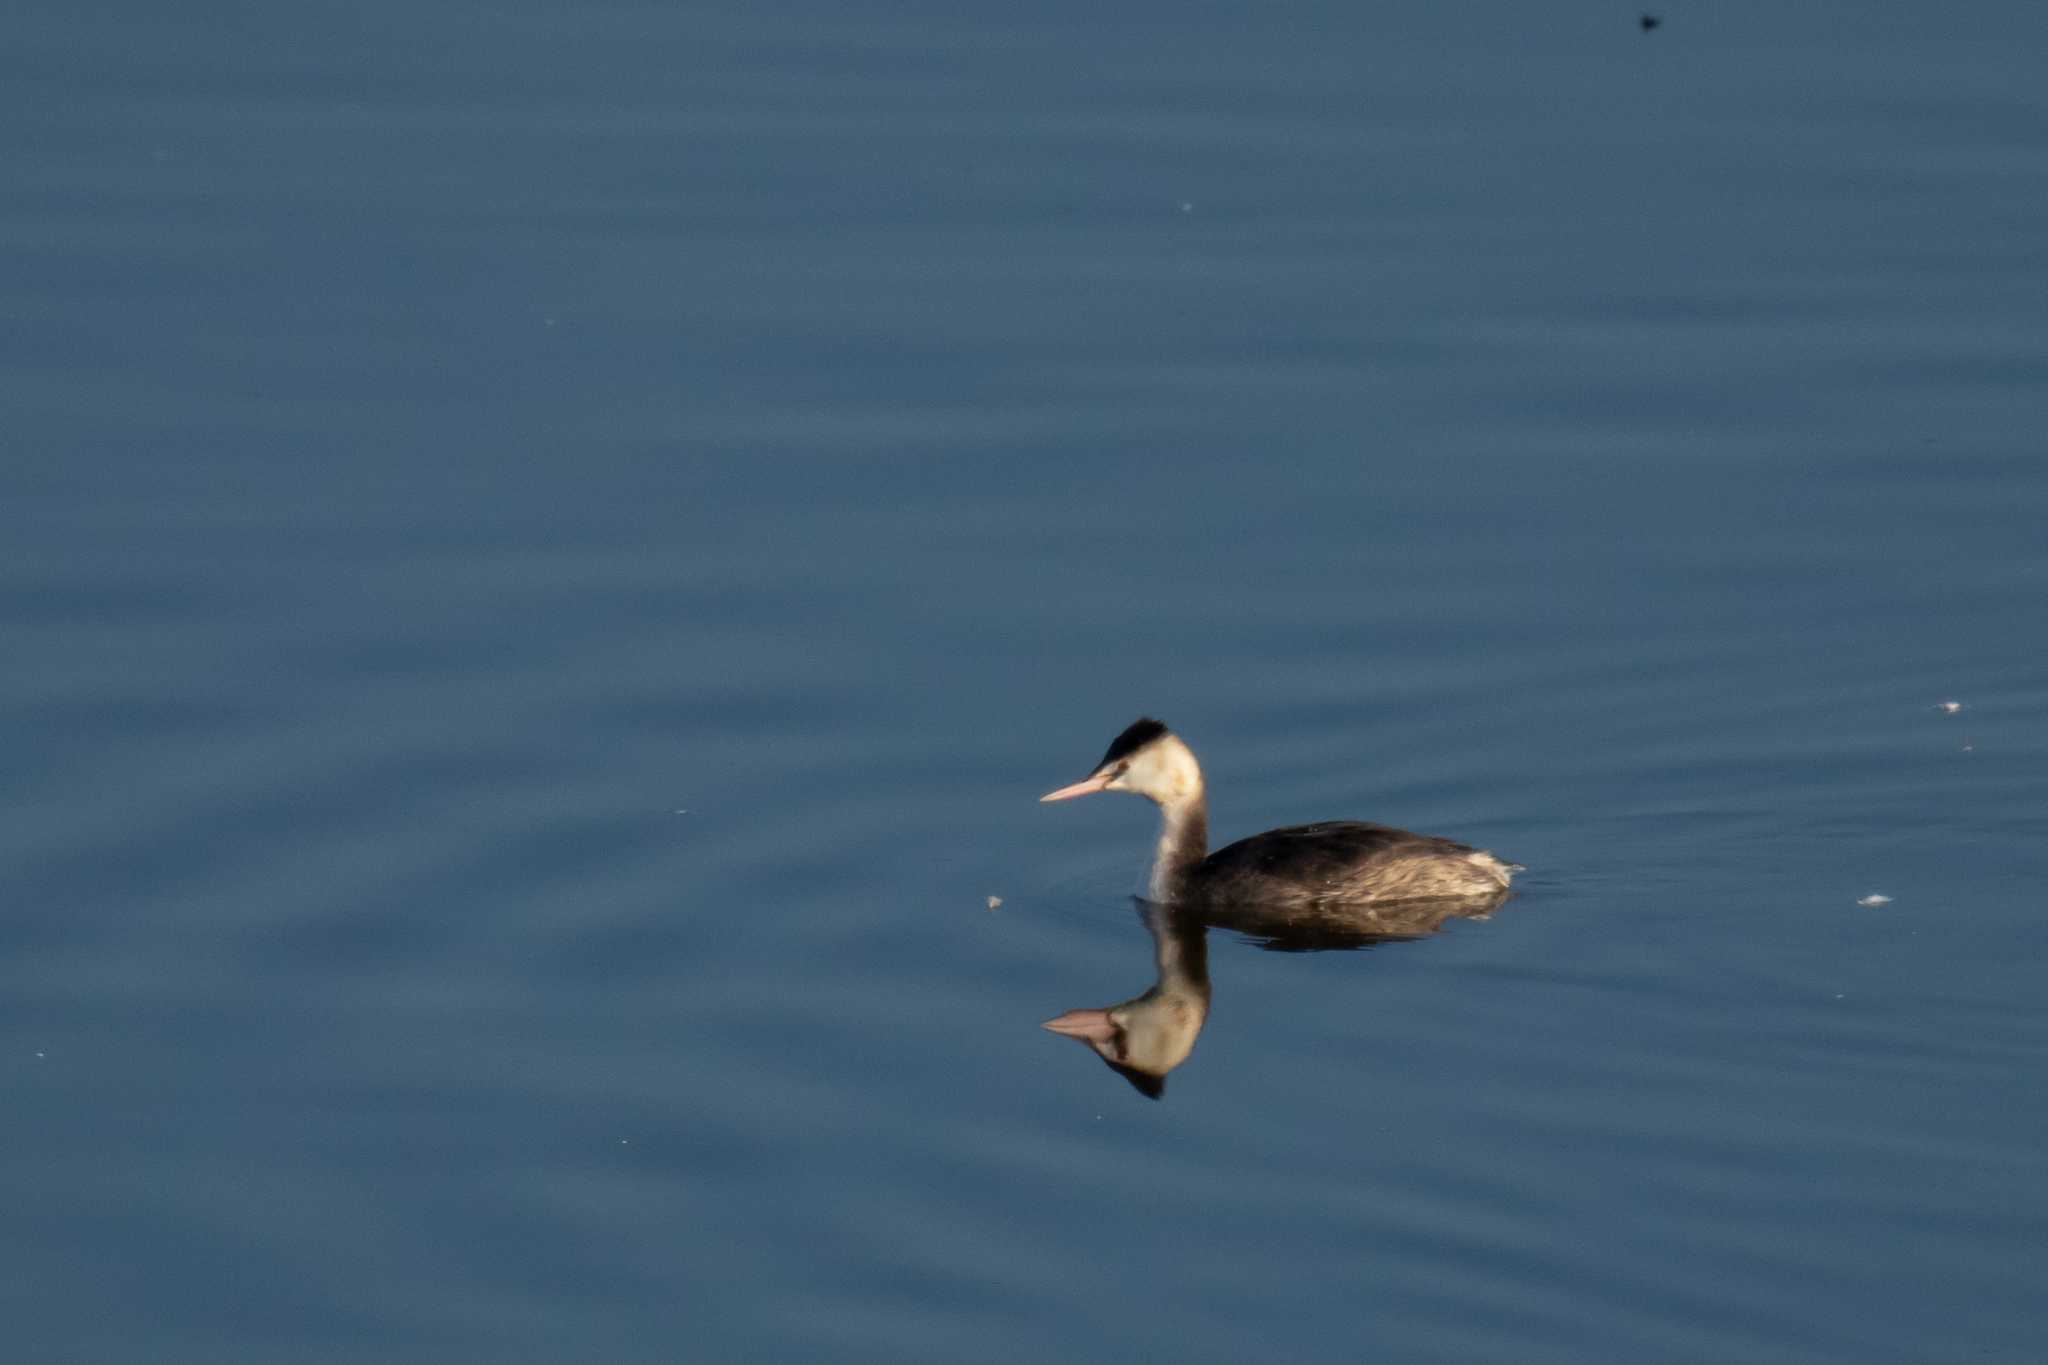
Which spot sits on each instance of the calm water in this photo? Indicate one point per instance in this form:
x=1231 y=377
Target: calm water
x=550 y=549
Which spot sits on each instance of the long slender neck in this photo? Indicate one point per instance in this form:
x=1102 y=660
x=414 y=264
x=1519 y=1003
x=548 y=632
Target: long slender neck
x=1183 y=842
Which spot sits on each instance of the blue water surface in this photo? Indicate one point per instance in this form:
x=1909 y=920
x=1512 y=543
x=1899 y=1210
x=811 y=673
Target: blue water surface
x=546 y=553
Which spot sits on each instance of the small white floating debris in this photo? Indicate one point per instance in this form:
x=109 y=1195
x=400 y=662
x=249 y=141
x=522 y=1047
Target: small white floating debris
x=1948 y=708
x=1873 y=900
x=994 y=902
x=682 y=811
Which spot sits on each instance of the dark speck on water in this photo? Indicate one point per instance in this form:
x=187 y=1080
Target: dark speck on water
x=904 y=432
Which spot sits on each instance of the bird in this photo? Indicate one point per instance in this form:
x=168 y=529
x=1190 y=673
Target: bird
x=1329 y=863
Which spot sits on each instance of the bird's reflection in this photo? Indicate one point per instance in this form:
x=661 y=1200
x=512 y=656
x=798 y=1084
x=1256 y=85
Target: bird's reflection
x=1146 y=1037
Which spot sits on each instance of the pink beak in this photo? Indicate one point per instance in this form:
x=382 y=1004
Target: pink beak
x=1081 y=788
x=1090 y=1026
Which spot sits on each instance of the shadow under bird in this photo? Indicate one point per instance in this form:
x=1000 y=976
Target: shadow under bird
x=1333 y=862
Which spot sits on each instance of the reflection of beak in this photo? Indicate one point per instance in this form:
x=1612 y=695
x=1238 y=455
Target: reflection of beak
x=1081 y=788
x=1090 y=1026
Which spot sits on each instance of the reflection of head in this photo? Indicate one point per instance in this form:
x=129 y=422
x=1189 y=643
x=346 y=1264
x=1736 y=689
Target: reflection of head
x=1141 y=1039
x=1145 y=1038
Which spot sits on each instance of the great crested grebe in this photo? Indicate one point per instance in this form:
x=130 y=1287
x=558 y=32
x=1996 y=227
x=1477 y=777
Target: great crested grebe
x=1335 y=861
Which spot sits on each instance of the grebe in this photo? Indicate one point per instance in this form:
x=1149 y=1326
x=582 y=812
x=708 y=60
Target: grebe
x=1336 y=861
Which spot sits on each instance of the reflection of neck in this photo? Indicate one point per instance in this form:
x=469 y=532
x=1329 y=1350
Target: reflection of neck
x=1183 y=842
x=1180 y=953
